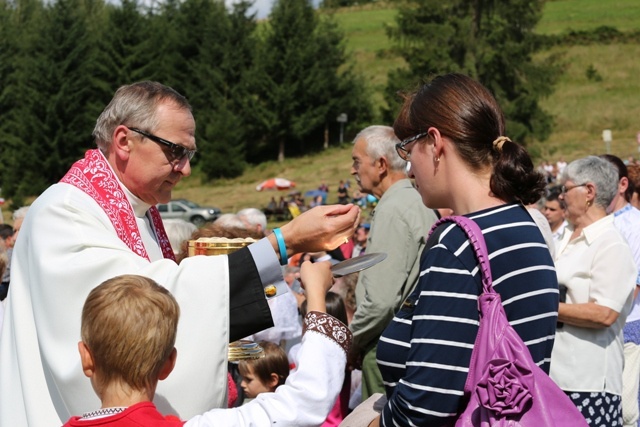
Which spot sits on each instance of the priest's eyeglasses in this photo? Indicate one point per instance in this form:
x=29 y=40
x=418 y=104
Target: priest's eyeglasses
x=178 y=152
x=401 y=147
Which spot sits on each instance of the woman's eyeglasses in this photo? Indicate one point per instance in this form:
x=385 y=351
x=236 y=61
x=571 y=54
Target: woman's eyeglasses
x=401 y=147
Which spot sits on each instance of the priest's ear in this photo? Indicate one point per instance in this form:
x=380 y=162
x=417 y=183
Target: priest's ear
x=121 y=142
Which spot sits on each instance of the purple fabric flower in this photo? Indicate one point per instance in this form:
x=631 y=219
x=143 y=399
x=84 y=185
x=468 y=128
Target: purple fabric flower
x=504 y=387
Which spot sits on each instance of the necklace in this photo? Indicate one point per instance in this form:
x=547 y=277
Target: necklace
x=104 y=412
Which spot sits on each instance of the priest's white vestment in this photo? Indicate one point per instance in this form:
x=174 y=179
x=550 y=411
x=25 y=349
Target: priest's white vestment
x=66 y=247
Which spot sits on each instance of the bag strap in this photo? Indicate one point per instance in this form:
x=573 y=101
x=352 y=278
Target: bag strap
x=477 y=242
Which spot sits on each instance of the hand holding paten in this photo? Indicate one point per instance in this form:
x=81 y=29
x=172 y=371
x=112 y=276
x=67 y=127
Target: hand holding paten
x=321 y=228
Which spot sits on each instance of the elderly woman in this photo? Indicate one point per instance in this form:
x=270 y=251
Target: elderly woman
x=595 y=264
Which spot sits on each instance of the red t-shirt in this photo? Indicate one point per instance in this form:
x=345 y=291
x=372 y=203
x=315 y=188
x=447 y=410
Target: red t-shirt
x=140 y=414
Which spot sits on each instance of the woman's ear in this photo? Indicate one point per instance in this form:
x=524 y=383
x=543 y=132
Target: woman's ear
x=436 y=140
x=169 y=364
x=86 y=358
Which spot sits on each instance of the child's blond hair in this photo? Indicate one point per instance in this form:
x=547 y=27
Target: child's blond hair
x=129 y=324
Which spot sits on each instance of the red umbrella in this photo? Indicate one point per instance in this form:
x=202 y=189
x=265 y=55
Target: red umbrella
x=276 y=184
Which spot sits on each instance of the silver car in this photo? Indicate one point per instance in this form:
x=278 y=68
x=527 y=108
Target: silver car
x=189 y=211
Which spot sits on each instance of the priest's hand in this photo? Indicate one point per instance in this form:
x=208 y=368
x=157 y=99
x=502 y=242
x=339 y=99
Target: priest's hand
x=321 y=228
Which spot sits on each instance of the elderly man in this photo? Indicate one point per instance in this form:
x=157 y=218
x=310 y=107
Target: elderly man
x=99 y=222
x=254 y=219
x=399 y=227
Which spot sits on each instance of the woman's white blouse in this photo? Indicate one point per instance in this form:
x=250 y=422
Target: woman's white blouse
x=596 y=267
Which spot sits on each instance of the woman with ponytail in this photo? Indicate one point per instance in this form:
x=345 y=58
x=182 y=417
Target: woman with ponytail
x=453 y=132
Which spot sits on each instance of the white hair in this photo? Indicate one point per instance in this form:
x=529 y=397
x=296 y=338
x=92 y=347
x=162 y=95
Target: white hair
x=602 y=173
x=178 y=230
x=230 y=220
x=254 y=218
x=381 y=142
x=20 y=213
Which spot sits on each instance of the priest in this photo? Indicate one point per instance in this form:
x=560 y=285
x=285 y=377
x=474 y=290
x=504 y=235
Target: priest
x=100 y=221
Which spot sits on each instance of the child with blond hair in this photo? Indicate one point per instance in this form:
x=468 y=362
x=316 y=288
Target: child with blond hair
x=129 y=326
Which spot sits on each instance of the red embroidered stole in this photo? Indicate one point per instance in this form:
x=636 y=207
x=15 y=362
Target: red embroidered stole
x=94 y=176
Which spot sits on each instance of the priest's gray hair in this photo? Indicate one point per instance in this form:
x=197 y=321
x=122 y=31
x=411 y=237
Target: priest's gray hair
x=134 y=105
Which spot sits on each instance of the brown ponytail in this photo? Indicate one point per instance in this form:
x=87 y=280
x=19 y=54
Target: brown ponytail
x=466 y=112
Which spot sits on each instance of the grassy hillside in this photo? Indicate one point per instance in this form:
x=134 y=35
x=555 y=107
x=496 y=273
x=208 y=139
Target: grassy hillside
x=561 y=15
x=307 y=172
x=582 y=107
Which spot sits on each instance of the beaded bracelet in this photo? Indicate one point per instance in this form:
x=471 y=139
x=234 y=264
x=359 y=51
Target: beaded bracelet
x=284 y=259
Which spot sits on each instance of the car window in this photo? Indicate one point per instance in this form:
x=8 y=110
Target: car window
x=178 y=208
x=162 y=208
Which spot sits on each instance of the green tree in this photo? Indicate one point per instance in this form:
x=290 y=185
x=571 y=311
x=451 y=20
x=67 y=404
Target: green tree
x=219 y=88
x=20 y=100
x=166 y=47
x=50 y=94
x=122 y=52
x=492 y=41
x=71 y=58
x=300 y=82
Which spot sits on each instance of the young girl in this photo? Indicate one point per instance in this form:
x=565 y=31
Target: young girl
x=266 y=374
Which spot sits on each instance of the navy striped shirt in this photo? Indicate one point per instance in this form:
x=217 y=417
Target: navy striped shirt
x=425 y=351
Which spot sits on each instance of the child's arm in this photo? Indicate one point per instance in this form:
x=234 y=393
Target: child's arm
x=310 y=392
x=316 y=279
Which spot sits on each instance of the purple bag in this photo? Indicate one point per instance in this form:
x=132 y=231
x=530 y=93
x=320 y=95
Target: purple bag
x=505 y=387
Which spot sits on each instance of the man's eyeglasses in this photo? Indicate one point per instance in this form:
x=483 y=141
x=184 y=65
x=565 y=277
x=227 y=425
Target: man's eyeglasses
x=401 y=146
x=565 y=190
x=178 y=152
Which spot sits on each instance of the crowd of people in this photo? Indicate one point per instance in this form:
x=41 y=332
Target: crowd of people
x=295 y=202
x=102 y=295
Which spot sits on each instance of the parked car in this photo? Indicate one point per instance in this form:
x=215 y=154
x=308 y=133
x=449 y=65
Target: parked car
x=189 y=211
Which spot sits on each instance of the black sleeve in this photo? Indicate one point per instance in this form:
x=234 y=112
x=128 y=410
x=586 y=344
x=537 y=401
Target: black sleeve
x=248 y=308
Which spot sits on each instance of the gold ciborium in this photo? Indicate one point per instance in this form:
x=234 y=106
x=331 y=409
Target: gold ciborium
x=242 y=349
